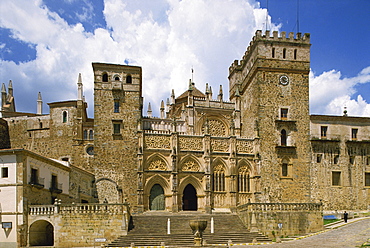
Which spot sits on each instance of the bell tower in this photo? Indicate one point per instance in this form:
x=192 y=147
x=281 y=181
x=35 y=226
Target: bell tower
x=272 y=80
x=117 y=114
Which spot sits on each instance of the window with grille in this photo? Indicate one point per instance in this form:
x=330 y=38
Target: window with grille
x=324 y=131
x=219 y=178
x=244 y=184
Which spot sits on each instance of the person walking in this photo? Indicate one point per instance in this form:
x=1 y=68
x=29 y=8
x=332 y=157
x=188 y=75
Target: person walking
x=345 y=216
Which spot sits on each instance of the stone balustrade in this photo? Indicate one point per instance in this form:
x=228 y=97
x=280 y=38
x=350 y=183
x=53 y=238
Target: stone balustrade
x=78 y=208
x=42 y=209
x=280 y=207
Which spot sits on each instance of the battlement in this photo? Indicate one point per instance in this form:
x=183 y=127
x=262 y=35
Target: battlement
x=282 y=42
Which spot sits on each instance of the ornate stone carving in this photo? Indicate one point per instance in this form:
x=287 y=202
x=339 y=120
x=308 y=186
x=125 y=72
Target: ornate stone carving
x=219 y=168
x=157 y=165
x=244 y=146
x=191 y=143
x=216 y=128
x=220 y=145
x=157 y=142
x=190 y=166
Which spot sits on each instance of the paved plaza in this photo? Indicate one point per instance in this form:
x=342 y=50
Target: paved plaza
x=352 y=234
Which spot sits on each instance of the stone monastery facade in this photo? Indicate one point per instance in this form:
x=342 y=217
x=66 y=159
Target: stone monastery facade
x=204 y=153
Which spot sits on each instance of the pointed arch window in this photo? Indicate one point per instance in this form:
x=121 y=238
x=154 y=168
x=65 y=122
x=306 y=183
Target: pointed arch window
x=244 y=180
x=91 y=134
x=219 y=178
x=283 y=137
x=85 y=134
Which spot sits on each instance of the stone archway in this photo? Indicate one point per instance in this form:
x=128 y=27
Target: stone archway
x=156 y=198
x=41 y=233
x=189 y=198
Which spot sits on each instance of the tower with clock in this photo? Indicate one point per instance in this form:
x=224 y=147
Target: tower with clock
x=271 y=81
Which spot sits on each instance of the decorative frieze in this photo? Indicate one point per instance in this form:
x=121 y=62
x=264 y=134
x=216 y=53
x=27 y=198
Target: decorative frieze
x=157 y=142
x=191 y=143
x=220 y=145
x=243 y=146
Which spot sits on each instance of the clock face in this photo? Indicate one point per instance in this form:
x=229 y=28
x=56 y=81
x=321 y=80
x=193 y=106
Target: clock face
x=284 y=80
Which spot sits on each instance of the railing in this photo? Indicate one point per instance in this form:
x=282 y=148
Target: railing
x=56 y=187
x=280 y=207
x=38 y=181
x=93 y=208
x=42 y=210
x=78 y=208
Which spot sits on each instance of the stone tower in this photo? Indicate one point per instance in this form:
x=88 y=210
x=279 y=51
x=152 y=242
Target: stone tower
x=117 y=114
x=272 y=84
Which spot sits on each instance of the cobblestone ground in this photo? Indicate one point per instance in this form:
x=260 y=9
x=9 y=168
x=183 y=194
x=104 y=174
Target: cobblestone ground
x=351 y=235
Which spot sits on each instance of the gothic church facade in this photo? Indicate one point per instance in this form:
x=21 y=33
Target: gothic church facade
x=204 y=153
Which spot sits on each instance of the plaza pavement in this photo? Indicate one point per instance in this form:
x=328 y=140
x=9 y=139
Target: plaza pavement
x=342 y=235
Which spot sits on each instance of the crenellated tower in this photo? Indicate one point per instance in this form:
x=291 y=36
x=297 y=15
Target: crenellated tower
x=271 y=82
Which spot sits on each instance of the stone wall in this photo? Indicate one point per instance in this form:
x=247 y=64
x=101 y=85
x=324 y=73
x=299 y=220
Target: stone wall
x=296 y=218
x=4 y=135
x=79 y=224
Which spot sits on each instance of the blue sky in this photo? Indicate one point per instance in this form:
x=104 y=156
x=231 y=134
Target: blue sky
x=45 y=44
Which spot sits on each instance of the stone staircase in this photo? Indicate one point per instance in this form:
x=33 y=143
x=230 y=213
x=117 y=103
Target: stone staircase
x=150 y=229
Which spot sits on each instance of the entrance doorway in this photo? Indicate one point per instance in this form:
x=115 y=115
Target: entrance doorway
x=156 y=199
x=189 y=199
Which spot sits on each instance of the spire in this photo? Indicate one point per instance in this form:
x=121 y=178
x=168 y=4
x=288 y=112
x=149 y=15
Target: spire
x=3 y=88
x=149 y=112
x=220 y=94
x=10 y=88
x=210 y=92
x=190 y=84
x=80 y=90
x=162 y=109
x=39 y=104
x=3 y=96
x=173 y=96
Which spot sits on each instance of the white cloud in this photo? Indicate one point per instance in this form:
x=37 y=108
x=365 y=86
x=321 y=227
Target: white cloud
x=330 y=93
x=167 y=38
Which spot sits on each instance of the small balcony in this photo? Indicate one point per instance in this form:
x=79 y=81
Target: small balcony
x=56 y=187
x=37 y=182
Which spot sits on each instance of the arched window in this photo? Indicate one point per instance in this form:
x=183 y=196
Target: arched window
x=116 y=78
x=295 y=53
x=85 y=134
x=219 y=178
x=91 y=134
x=105 y=77
x=129 y=79
x=284 y=53
x=273 y=52
x=284 y=169
x=64 y=116
x=283 y=137
x=40 y=125
x=244 y=184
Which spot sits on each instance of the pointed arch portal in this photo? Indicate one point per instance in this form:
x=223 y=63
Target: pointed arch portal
x=156 y=199
x=190 y=199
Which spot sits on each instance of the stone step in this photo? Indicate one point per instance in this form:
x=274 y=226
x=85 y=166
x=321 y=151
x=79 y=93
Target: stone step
x=150 y=229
